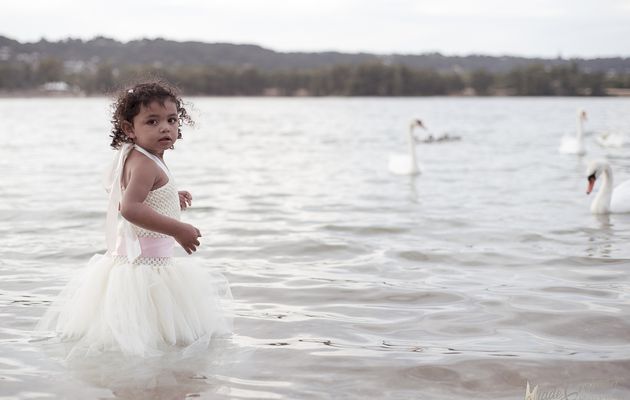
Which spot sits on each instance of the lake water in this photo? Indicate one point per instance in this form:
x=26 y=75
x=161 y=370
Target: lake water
x=483 y=273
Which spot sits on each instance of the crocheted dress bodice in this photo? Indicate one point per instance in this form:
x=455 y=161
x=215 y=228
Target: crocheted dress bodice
x=163 y=200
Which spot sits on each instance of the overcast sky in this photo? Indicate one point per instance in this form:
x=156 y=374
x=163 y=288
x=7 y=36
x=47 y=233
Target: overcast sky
x=548 y=28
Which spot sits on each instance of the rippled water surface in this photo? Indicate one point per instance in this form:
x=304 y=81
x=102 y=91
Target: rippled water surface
x=483 y=273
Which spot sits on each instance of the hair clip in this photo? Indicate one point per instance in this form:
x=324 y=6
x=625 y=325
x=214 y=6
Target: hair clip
x=130 y=91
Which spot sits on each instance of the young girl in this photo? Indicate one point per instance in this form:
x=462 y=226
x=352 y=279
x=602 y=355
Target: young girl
x=137 y=299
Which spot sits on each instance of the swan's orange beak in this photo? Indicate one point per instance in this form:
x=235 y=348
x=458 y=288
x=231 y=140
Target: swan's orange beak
x=591 y=183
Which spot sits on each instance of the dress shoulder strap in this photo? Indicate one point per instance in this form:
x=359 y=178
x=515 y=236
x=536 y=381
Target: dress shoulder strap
x=159 y=162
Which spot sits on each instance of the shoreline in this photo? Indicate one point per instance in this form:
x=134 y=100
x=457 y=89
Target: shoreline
x=34 y=94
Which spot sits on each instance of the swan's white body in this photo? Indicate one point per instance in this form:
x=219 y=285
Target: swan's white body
x=575 y=144
x=407 y=164
x=607 y=200
x=612 y=140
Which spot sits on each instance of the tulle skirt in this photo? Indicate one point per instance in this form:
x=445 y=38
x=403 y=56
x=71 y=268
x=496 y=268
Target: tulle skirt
x=141 y=309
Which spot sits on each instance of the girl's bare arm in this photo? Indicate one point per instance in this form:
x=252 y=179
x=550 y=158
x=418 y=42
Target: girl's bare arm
x=143 y=174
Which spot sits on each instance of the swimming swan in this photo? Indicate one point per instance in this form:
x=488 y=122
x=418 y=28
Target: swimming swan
x=575 y=144
x=607 y=199
x=614 y=139
x=407 y=164
x=441 y=139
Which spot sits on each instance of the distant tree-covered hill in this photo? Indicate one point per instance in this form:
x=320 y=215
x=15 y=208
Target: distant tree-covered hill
x=100 y=65
x=161 y=52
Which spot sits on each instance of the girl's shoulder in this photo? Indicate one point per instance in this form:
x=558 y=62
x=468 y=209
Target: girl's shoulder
x=143 y=167
x=136 y=160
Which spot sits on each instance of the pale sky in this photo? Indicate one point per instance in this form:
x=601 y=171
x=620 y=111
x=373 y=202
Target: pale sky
x=547 y=28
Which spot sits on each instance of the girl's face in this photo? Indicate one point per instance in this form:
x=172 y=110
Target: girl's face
x=155 y=127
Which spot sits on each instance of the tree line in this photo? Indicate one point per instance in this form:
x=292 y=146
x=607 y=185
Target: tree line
x=368 y=79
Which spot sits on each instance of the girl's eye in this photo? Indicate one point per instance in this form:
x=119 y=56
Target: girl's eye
x=152 y=122
x=172 y=120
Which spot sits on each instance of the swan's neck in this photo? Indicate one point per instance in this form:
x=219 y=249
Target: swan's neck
x=412 y=150
x=580 y=128
x=601 y=203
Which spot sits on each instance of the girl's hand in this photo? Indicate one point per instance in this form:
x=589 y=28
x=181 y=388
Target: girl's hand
x=185 y=199
x=187 y=236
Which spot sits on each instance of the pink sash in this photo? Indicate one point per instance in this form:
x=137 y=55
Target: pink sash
x=149 y=247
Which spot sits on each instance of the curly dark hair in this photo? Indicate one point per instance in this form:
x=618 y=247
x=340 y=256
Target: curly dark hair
x=130 y=99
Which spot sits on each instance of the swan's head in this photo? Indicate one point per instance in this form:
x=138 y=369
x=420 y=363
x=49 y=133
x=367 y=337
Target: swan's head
x=417 y=123
x=594 y=169
x=582 y=115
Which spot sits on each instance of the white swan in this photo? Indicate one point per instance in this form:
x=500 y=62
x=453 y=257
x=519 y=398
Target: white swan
x=612 y=139
x=440 y=139
x=607 y=199
x=407 y=164
x=575 y=144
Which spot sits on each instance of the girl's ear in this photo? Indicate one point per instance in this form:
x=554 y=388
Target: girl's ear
x=127 y=127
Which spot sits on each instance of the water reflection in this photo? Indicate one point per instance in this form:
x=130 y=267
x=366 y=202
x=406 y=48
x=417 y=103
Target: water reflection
x=175 y=375
x=604 y=221
x=413 y=190
x=600 y=240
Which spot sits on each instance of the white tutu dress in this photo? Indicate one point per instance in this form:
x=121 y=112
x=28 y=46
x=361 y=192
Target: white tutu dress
x=136 y=298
